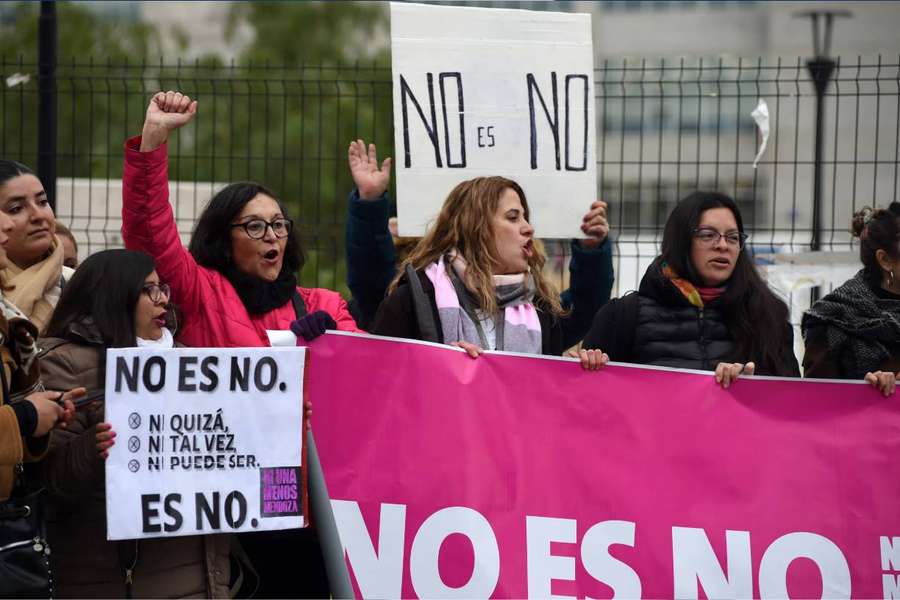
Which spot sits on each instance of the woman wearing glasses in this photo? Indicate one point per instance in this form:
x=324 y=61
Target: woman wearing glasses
x=701 y=304
x=238 y=277
x=130 y=309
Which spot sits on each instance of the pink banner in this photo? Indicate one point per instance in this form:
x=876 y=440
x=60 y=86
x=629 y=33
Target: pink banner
x=514 y=476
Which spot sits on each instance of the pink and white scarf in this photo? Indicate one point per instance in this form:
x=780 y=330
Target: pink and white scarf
x=518 y=331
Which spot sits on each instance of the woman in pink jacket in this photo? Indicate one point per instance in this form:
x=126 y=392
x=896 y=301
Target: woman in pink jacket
x=238 y=278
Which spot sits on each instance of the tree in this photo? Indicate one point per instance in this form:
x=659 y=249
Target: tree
x=296 y=33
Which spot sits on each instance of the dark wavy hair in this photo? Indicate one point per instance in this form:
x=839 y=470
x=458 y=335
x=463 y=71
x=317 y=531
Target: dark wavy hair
x=211 y=241
x=756 y=317
x=877 y=230
x=104 y=289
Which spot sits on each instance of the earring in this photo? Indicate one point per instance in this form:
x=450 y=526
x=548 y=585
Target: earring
x=890 y=278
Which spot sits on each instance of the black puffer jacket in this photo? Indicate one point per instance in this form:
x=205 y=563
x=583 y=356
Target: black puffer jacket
x=659 y=326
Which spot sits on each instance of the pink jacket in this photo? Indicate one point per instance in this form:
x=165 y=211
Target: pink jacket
x=214 y=315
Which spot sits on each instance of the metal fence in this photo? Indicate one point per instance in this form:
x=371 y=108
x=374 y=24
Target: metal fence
x=665 y=128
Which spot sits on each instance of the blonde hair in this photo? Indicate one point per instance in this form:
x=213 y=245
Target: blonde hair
x=465 y=223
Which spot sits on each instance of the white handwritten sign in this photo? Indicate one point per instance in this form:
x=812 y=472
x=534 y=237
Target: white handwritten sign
x=208 y=441
x=480 y=92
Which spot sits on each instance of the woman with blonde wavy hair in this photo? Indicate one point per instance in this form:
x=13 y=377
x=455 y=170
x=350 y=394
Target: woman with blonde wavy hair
x=475 y=279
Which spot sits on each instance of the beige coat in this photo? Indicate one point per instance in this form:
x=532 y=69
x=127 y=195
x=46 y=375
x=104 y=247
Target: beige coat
x=20 y=373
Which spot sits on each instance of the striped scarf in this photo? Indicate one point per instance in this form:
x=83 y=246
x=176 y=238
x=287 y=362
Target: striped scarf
x=697 y=296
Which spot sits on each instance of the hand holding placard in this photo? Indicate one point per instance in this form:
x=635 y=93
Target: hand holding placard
x=594 y=225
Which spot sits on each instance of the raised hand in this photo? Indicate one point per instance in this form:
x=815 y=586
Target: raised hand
x=371 y=180
x=167 y=111
x=594 y=225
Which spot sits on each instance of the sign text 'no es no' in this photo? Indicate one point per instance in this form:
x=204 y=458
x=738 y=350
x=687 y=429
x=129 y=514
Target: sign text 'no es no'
x=481 y=92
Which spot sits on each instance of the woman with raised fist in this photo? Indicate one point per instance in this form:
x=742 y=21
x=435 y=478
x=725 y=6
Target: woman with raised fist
x=239 y=276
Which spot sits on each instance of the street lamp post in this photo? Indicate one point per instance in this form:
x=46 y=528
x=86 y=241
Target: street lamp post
x=820 y=68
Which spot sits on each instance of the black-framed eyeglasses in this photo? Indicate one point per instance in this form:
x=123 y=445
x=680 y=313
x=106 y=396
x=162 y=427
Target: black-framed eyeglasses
x=711 y=237
x=256 y=228
x=156 y=291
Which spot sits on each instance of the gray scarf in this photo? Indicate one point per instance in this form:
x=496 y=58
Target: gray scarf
x=861 y=329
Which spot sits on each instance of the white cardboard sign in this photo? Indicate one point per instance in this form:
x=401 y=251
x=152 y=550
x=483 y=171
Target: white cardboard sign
x=480 y=92
x=208 y=441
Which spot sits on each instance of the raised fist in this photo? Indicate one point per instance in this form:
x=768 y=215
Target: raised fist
x=167 y=111
x=170 y=110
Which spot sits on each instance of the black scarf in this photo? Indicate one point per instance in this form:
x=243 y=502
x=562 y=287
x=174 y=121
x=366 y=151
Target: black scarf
x=258 y=295
x=862 y=329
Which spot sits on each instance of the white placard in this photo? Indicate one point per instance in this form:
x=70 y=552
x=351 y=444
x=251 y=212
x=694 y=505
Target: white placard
x=480 y=92
x=209 y=440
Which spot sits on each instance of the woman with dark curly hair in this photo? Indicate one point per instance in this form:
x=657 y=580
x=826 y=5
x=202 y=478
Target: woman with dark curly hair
x=854 y=332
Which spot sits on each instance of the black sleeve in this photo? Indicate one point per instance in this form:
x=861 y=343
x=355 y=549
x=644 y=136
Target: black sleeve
x=26 y=415
x=371 y=257
x=551 y=334
x=591 y=279
x=396 y=316
x=610 y=330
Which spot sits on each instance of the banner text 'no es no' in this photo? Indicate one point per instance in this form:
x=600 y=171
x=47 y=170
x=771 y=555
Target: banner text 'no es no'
x=517 y=476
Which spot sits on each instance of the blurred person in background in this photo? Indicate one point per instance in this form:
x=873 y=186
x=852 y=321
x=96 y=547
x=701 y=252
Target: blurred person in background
x=70 y=246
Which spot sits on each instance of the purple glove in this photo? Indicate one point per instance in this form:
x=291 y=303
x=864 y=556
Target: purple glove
x=313 y=325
